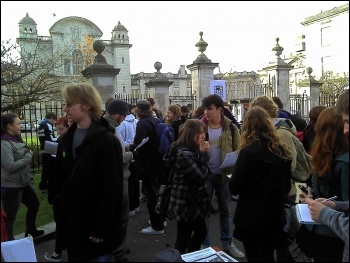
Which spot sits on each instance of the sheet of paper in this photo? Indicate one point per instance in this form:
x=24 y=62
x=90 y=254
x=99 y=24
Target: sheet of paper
x=20 y=250
x=303 y=214
x=142 y=143
x=50 y=147
x=207 y=255
x=230 y=160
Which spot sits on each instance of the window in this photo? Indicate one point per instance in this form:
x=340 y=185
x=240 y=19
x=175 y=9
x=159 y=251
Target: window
x=67 y=67
x=77 y=62
x=326 y=36
x=75 y=32
x=122 y=59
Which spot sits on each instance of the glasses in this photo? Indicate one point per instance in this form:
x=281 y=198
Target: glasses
x=68 y=105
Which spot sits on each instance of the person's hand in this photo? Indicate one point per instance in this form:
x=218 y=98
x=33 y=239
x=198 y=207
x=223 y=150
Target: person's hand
x=132 y=146
x=96 y=239
x=304 y=196
x=135 y=155
x=161 y=189
x=315 y=208
x=204 y=146
x=331 y=204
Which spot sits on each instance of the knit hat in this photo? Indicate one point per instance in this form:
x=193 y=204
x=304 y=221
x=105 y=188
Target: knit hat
x=118 y=107
x=143 y=105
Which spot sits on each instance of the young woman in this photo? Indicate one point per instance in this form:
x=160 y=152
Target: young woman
x=330 y=158
x=172 y=118
x=16 y=184
x=189 y=202
x=262 y=180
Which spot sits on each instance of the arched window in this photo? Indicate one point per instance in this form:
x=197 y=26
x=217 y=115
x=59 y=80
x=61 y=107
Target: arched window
x=123 y=36
x=30 y=30
x=77 y=62
x=25 y=29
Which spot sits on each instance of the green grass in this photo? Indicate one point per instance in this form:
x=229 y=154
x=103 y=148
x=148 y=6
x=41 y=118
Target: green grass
x=45 y=214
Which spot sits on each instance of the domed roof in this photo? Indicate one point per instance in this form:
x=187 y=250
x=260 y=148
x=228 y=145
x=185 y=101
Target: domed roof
x=120 y=27
x=27 y=20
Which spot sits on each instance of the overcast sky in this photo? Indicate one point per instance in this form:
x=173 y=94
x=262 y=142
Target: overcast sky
x=240 y=34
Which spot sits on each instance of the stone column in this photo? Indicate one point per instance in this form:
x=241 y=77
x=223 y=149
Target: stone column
x=279 y=74
x=101 y=75
x=201 y=72
x=161 y=88
x=314 y=89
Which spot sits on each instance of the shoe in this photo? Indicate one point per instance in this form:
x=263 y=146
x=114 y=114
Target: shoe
x=151 y=231
x=164 y=223
x=53 y=258
x=142 y=199
x=233 y=251
x=35 y=234
x=132 y=213
x=137 y=209
x=234 y=197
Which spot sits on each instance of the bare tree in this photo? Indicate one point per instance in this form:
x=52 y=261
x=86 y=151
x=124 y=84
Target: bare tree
x=28 y=74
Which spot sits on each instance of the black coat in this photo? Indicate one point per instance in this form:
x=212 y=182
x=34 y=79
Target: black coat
x=92 y=188
x=262 y=180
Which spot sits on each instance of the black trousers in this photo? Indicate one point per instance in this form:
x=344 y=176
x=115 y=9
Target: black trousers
x=47 y=164
x=190 y=235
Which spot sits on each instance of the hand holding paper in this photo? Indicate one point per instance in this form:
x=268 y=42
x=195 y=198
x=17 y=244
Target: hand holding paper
x=230 y=160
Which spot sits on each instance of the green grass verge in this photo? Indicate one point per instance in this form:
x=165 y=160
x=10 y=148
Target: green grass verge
x=45 y=214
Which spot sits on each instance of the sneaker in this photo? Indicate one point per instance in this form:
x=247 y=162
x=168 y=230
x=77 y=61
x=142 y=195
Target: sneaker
x=132 y=213
x=234 y=197
x=137 y=209
x=233 y=251
x=142 y=199
x=151 y=231
x=164 y=223
x=53 y=258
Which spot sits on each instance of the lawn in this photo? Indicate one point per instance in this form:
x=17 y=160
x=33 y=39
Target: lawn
x=45 y=214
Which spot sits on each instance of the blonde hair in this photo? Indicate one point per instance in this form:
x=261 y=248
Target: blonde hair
x=85 y=94
x=267 y=104
x=176 y=110
x=258 y=127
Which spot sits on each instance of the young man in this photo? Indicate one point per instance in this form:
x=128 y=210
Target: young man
x=222 y=139
x=46 y=133
x=90 y=165
x=151 y=163
x=117 y=110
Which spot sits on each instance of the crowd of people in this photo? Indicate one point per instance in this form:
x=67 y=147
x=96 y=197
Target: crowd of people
x=92 y=178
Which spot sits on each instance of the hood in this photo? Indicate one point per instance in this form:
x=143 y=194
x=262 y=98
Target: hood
x=286 y=123
x=130 y=118
x=44 y=121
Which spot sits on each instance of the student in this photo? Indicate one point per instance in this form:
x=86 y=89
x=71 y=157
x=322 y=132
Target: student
x=90 y=162
x=46 y=133
x=223 y=137
x=189 y=200
x=62 y=126
x=262 y=172
x=16 y=185
x=330 y=177
x=172 y=118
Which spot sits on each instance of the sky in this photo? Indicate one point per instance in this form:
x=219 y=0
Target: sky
x=240 y=34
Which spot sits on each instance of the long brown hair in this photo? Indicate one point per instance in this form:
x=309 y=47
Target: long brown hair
x=257 y=126
x=329 y=142
x=187 y=132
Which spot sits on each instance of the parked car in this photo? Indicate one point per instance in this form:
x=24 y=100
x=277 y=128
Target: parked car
x=25 y=126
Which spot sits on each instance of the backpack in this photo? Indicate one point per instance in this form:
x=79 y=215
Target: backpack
x=303 y=160
x=165 y=135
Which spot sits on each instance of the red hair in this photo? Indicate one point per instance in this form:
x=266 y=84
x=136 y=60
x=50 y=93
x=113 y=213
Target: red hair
x=62 y=121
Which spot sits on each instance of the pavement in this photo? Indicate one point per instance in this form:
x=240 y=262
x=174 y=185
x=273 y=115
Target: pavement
x=143 y=247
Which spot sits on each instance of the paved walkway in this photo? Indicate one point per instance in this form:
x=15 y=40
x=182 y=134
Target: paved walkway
x=143 y=247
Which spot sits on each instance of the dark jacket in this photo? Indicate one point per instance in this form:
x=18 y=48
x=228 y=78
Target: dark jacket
x=150 y=160
x=262 y=180
x=176 y=126
x=45 y=133
x=92 y=188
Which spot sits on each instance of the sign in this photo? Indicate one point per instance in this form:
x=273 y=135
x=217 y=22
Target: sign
x=218 y=87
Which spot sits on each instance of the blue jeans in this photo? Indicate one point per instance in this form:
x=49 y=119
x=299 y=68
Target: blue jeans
x=11 y=199
x=214 y=182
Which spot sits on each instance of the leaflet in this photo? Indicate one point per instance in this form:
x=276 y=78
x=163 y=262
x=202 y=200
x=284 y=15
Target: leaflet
x=230 y=160
x=303 y=214
x=142 y=143
x=50 y=147
x=207 y=255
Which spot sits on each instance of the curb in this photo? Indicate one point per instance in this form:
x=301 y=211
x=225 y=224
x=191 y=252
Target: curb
x=50 y=230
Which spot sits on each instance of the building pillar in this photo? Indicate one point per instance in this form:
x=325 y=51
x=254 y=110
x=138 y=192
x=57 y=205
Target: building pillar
x=278 y=73
x=314 y=89
x=201 y=72
x=161 y=88
x=101 y=75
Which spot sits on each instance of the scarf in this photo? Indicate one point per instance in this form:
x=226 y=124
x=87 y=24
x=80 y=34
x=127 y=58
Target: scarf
x=10 y=138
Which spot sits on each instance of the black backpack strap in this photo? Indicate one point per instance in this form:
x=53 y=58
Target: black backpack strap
x=232 y=129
